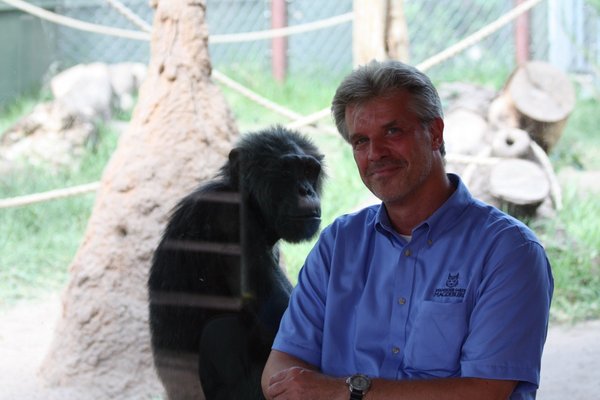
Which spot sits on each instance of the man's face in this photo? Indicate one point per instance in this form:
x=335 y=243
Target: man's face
x=393 y=151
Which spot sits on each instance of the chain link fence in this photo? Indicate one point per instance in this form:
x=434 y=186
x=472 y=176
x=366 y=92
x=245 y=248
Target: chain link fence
x=566 y=33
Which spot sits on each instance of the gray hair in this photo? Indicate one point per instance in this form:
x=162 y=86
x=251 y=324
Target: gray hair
x=378 y=79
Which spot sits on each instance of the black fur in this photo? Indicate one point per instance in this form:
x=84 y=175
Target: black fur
x=277 y=174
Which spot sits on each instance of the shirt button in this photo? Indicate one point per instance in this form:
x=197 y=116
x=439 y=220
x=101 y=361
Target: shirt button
x=395 y=350
x=401 y=301
x=430 y=242
x=407 y=252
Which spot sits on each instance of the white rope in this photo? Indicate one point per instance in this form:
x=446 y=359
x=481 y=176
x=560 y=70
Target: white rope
x=298 y=120
x=281 y=32
x=130 y=15
x=478 y=36
x=76 y=24
x=467 y=159
x=470 y=169
x=255 y=96
x=50 y=195
x=145 y=36
x=309 y=119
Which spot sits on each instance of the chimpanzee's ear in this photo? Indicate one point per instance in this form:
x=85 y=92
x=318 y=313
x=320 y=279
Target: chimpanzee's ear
x=234 y=155
x=234 y=166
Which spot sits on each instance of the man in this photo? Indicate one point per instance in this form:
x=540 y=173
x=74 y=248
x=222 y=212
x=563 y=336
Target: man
x=430 y=295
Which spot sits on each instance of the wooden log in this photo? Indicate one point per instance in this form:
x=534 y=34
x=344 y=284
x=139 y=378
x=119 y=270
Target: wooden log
x=519 y=185
x=542 y=98
x=510 y=143
x=465 y=132
x=502 y=114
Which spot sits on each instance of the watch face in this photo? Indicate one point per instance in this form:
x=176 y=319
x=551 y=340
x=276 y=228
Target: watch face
x=360 y=382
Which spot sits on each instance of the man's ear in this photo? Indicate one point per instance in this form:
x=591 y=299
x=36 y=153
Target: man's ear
x=436 y=129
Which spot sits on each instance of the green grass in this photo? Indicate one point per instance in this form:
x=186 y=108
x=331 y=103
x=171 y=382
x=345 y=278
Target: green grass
x=579 y=146
x=38 y=242
x=11 y=112
x=572 y=239
x=572 y=242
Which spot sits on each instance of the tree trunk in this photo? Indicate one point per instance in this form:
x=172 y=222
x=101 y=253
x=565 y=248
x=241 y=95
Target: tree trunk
x=380 y=31
x=180 y=133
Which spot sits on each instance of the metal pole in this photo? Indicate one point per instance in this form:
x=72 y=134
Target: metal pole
x=522 y=36
x=279 y=44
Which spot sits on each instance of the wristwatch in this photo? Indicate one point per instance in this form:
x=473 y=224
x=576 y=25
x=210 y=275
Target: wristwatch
x=358 y=384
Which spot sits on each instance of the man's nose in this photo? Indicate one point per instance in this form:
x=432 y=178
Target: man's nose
x=377 y=150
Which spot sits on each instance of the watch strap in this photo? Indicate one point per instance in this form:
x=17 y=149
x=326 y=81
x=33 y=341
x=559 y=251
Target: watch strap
x=356 y=395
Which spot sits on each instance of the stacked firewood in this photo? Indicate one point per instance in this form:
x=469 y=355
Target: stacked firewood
x=498 y=142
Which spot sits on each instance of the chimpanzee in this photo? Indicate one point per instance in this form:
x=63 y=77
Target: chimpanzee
x=216 y=290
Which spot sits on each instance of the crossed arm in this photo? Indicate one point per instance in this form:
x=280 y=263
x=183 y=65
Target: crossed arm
x=287 y=377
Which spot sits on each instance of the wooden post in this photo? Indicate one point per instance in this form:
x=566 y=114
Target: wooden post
x=369 y=31
x=397 y=42
x=380 y=31
x=522 y=36
x=279 y=44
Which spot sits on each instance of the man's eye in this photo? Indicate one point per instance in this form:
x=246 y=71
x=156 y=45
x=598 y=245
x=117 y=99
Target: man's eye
x=393 y=131
x=358 y=142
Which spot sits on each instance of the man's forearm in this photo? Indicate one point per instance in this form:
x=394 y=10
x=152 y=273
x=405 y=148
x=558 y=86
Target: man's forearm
x=277 y=362
x=445 y=388
x=287 y=374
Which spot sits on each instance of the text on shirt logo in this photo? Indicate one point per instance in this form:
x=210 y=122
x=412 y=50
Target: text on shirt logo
x=450 y=290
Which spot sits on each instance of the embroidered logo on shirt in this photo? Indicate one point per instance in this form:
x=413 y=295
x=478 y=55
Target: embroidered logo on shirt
x=452 y=280
x=450 y=290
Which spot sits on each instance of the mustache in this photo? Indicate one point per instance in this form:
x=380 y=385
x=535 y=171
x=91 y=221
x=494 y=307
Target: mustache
x=375 y=166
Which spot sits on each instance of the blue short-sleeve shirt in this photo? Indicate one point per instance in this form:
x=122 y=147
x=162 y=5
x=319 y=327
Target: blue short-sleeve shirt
x=467 y=296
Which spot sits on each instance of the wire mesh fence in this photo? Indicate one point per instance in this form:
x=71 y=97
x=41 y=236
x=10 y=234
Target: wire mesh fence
x=566 y=33
x=433 y=26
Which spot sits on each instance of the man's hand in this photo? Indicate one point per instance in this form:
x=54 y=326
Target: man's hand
x=302 y=383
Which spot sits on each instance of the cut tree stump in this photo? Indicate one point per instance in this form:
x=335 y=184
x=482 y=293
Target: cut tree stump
x=520 y=185
x=541 y=99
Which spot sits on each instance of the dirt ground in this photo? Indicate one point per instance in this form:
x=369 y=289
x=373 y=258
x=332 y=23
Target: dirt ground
x=570 y=370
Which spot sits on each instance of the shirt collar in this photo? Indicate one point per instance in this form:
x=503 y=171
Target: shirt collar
x=442 y=219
